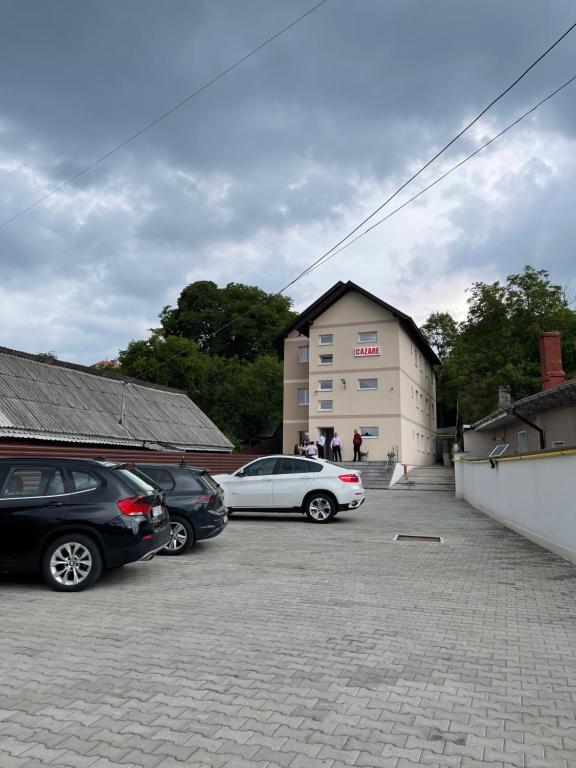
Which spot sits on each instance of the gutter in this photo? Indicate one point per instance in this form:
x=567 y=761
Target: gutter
x=533 y=425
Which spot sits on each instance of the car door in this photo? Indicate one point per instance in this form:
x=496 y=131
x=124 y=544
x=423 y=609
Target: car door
x=292 y=480
x=33 y=500
x=252 y=486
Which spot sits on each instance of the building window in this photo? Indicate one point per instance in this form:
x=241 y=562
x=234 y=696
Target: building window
x=303 y=396
x=325 y=405
x=367 y=383
x=302 y=354
x=522 y=442
x=325 y=385
x=326 y=359
x=326 y=339
x=368 y=337
x=301 y=437
x=370 y=431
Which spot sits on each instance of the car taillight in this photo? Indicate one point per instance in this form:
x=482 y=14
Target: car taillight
x=135 y=505
x=349 y=478
x=206 y=498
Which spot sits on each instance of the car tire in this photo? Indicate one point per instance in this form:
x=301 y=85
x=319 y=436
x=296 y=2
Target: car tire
x=72 y=563
x=319 y=508
x=182 y=537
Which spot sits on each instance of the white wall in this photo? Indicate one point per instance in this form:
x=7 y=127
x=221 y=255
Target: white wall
x=533 y=495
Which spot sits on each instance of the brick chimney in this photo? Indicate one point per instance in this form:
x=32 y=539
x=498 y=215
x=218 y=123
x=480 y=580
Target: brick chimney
x=551 y=360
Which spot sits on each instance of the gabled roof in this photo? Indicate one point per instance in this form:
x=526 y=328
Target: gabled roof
x=558 y=397
x=340 y=289
x=72 y=403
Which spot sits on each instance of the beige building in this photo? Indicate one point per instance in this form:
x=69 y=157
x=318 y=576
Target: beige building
x=351 y=361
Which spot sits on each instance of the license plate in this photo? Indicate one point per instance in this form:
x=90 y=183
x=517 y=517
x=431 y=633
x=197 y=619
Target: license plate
x=157 y=511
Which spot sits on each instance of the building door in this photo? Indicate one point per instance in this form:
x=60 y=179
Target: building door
x=328 y=433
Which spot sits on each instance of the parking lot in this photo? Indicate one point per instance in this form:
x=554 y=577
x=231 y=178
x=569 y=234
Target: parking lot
x=282 y=643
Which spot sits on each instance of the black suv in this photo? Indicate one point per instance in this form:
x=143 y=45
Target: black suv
x=73 y=518
x=195 y=502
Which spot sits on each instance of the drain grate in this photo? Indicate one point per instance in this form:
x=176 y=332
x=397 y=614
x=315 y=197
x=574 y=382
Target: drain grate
x=418 y=537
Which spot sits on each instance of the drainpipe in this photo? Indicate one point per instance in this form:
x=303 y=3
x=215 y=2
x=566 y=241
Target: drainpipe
x=534 y=426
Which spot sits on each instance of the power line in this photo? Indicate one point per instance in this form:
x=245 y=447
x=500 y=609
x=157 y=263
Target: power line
x=444 y=175
x=163 y=116
x=435 y=157
x=333 y=252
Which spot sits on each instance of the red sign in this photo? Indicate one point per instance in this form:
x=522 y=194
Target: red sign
x=366 y=351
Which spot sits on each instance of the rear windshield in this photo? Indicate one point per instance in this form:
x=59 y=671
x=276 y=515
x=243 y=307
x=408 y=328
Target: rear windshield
x=209 y=481
x=136 y=480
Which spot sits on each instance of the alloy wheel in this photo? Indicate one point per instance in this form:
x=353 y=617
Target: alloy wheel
x=178 y=537
x=320 y=509
x=70 y=564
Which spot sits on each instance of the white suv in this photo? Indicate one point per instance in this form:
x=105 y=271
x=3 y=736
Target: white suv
x=314 y=487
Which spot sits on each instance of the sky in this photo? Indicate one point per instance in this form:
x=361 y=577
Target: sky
x=270 y=167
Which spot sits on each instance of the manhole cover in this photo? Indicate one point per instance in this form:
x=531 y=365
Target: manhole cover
x=418 y=537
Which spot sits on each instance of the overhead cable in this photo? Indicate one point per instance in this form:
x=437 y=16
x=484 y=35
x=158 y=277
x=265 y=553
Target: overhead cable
x=161 y=117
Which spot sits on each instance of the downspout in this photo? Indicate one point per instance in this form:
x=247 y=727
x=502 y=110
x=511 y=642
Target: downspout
x=534 y=426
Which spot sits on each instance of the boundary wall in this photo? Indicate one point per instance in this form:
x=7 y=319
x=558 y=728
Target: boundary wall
x=532 y=493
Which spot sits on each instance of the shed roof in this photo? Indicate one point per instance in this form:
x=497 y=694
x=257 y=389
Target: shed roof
x=558 y=397
x=303 y=321
x=71 y=403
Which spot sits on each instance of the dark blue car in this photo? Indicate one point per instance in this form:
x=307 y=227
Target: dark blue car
x=195 y=503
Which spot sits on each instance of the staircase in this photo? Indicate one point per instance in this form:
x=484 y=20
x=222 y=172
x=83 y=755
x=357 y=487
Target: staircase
x=434 y=478
x=375 y=474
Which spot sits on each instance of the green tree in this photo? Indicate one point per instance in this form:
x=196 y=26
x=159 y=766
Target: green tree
x=498 y=342
x=235 y=321
x=441 y=331
x=241 y=397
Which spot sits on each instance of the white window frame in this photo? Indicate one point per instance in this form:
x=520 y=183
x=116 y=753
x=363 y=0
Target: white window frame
x=370 y=437
x=331 y=362
x=325 y=381
x=373 y=340
x=325 y=336
x=367 y=389
x=301 y=355
x=324 y=402
x=306 y=396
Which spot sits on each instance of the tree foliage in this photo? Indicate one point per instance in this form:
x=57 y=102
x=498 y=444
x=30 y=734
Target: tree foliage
x=241 y=397
x=249 y=316
x=497 y=344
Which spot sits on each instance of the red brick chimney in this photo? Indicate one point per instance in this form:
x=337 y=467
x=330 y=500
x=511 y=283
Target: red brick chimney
x=551 y=360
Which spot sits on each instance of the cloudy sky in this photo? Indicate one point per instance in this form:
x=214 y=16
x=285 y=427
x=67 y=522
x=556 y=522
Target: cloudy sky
x=266 y=170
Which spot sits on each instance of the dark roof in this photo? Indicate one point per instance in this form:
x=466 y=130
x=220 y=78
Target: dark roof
x=558 y=397
x=52 y=400
x=303 y=321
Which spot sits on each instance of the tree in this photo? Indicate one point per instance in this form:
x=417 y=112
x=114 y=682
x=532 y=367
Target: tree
x=240 y=397
x=440 y=330
x=498 y=342
x=248 y=316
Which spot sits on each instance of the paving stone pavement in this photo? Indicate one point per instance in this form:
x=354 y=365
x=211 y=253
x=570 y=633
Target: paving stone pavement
x=281 y=643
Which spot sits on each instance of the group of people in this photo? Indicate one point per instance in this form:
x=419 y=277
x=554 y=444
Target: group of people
x=318 y=448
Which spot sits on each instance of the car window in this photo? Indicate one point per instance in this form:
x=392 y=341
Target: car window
x=288 y=466
x=151 y=472
x=135 y=479
x=187 y=481
x=83 y=481
x=258 y=468
x=166 y=480
x=24 y=482
x=314 y=466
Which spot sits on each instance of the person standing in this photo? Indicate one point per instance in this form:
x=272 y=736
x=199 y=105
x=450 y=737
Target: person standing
x=357 y=442
x=321 y=442
x=311 y=449
x=336 y=445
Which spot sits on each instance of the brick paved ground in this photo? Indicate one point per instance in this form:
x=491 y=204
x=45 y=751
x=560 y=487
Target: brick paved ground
x=287 y=644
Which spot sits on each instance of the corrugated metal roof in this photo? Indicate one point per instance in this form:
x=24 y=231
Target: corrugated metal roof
x=53 y=402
